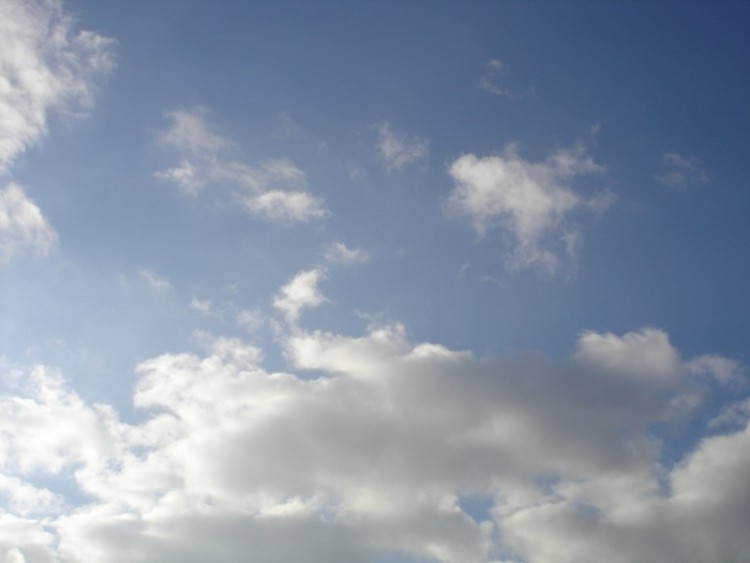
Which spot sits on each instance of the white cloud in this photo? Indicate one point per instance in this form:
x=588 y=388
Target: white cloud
x=275 y=190
x=680 y=172
x=301 y=292
x=286 y=206
x=338 y=252
x=155 y=281
x=22 y=225
x=203 y=307
x=251 y=320
x=531 y=201
x=190 y=131
x=397 y=149
x=373 y=456
x=45 y=65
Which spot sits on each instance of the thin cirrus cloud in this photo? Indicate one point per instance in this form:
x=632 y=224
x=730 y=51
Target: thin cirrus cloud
x=275 y=190
x=377 y=455
x=680 y=172
x=47 y=67
x=531 y=202
x=398 y=149
x=339 y=253
x=22 y=225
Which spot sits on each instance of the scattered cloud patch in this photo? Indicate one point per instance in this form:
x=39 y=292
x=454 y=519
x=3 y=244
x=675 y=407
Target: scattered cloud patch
x=532 y=202
x=398 y=149
x=275 y=190
x=204 y=307
x=250 y=320
x=339 y=253
x=301 y=292
x=681 y=172
x=46 y=65
x=22 y=225
x=155 y=281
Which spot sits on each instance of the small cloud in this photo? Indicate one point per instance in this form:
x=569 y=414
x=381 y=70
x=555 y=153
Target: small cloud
x=22 y=225
x=191 y=132
x=274 y=190
x=531 y=201
x=723 y=370
x=338 y=252
x=397 y=149
x=286 y=207
x=492 y=80
x=203 y=307
x=157 y=282
x=681 y=172
x=301 y=292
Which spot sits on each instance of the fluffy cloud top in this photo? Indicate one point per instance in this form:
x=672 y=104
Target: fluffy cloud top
x=45 y=65
x=530 y=201
x=22 y=225
x=275 y=190
x=376 y=455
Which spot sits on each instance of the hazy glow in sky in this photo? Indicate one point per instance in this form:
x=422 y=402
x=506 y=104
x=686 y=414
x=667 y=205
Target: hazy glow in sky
x=374 y=282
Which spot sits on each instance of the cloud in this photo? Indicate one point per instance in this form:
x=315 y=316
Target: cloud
x=530 y=201
x=22 y=225
x=203 y=307
x=339 y=253
x=45 y=66
x=274 y=190
x=301 y=292
x=680 y=172
x=397 y=149
x=492 y=80
x=155 y=281
x=373 y=456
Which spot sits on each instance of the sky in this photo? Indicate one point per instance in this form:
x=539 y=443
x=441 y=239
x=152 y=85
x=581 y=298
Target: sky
x=377 y=282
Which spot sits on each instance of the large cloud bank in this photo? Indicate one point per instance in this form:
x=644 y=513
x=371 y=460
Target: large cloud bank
x=379 y=445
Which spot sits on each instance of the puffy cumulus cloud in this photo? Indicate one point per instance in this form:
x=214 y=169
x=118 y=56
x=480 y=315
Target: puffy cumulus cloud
x=301 y=292
x=532 y=202
x=22 y=225
x=398 y=149
x=275 y=190
x=45 y=65
x=374 y=455
x=680 y=172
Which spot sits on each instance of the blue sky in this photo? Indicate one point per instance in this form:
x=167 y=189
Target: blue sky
x=453 y=282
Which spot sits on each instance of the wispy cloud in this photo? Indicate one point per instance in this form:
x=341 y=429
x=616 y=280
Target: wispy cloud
x=46 y=65
x=398 y=149
x=155 y=281
x=530 y=201
x=680 y=172
x=338 y=252
x=22 y=225
x=493 y=80
x=275 y=190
